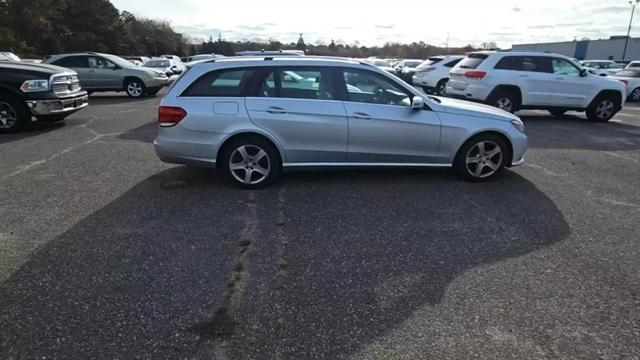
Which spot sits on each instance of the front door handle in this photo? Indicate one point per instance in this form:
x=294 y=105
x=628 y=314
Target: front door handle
x=360 y=115
x=275 y=110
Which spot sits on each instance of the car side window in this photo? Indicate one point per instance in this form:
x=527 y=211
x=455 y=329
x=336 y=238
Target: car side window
x=100 y=63
x=368 y=87
x=537 y=64
x=227 y=83
x=72 y=62
x=301 y=83
x=563 y=67
x=509 y=63
x=452 y=63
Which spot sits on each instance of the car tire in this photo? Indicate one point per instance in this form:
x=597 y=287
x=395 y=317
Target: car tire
x=251 y=162
x=602 y=109
x=441 y=87
x=135 y=88
x=635 y=95
x=557 y=112
x=482 y=158
x=52 y=118
x=14 y=114
x=505 y=100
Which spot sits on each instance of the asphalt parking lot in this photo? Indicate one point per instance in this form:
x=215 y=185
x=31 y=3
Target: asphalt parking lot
x=105 y=252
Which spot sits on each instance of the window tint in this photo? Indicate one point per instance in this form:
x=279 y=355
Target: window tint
x=72 y=62
x=510 y=63
x=472 y=61
x=267 y=87
x=301 y=83
x=634 y=65
x=452 y=63
x=100 y=63
x=220 y=83
x=367 y=87
x=536 y=64
x=629 y=73
x=563 y=67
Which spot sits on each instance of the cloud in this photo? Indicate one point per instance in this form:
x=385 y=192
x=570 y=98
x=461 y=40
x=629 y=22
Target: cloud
x=535 y=27
x=390 y=26
x=252 y=27
x=516 y=9
x=612 y=9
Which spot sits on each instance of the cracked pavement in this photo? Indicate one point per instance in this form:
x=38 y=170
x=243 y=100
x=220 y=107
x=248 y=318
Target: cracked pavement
x=105 y=252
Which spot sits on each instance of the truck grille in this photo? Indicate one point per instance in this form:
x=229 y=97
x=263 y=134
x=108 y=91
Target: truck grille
x=65 y=84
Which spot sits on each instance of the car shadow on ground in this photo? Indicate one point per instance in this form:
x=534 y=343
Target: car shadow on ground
x=322 y=263
x=575 y=132
x=118 y=99
x=35 y=129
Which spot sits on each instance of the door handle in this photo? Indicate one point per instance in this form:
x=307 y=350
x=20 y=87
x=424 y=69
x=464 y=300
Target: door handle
x=275 y=110
x=360 y=115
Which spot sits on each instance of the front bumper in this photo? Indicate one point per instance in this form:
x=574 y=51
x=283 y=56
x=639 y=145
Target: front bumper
x=58 y=106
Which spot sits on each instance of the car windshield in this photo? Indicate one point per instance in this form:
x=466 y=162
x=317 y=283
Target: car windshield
x=412 y=64
x=158 y=63
x=629 y=73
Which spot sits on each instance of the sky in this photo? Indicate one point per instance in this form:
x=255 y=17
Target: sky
x=462 y=22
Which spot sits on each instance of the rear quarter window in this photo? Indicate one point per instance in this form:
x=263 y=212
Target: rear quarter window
x=221 y=83
x=472 y=61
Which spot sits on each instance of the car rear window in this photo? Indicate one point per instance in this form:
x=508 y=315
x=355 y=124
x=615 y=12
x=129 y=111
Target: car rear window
x=472 y=61
x=223 y=83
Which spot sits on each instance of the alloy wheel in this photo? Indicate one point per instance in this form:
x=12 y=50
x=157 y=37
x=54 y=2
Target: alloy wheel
x=605 y=109
x=442 y=88
x=484 y=159
x=134 y=89
x=505 y=104
x=8 y=115
x=635 y=95
x=249 y=164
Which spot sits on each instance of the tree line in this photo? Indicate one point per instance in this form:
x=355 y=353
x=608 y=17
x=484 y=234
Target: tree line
x=44 y=27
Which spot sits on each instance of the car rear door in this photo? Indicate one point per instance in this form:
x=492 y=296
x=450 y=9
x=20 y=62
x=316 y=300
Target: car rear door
x=383 y=128
x=299 y=106
x=569 y=88
x=534 y=78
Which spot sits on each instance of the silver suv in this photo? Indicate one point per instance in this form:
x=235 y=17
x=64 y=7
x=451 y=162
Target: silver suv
x=104 y=72
x=251 y=118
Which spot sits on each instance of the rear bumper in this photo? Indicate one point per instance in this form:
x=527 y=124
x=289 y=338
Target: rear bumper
x=58 y=106
x=470 y=92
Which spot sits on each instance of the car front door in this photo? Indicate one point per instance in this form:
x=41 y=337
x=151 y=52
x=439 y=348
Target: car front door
x=535 y=79
x=299 y=106
x=383 y=128
x=569 y=88
x=104 y=74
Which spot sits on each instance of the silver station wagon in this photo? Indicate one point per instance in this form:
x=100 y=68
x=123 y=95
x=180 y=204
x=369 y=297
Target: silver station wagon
x=252 y=118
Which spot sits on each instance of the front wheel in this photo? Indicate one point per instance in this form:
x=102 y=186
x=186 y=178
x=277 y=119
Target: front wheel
x=135 y=88
x=14 y=115
x=635 y=95
x=602 y=109
x=481 y=158
x=251 y=163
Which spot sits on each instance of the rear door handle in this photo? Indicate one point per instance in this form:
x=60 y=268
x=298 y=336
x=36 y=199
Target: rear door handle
x=360 y=115
x=275 y=110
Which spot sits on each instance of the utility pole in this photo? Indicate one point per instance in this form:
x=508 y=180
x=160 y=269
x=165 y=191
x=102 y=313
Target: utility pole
x=633 y=4
x=448 y=35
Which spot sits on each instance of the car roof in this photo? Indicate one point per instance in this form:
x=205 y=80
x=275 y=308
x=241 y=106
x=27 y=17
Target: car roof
x=285 y=60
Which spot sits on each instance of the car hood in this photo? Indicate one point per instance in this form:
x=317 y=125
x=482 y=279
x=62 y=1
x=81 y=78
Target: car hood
x=468 y=108
x=34 y=68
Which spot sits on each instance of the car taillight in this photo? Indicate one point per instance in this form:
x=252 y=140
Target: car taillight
x=170 y=116
x=475 y=74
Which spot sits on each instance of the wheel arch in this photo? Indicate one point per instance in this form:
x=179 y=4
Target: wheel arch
x=503 y=87
x=615 y=93
x=129 y=78
x=494 y=132
x=245 y=134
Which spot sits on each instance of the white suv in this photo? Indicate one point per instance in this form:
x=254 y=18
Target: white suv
x=433 y=74
x=534 y=80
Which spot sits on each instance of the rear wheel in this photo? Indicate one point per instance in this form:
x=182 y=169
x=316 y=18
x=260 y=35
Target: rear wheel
x=602 y=109
x=14 y=115
x=635 y=95
x=135 y=88
x=251 y=163
x=441 y=88
x=482 y=157
x=505 y=100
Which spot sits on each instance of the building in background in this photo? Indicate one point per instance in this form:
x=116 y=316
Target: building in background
x=608 y=49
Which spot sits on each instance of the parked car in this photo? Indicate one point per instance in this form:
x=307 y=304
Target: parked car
x=138 y=60
x=203 y=57
x=177 y=66
x=245 y=119
x=271 y=53
x=602 y=67
x=631 y=78
x=534 y=80
x=408 y=66
x=104 y=72
x=382 y=64
x=48 y=93
x=433 y=74
x=633 y=64
x=160 y=64
x=9 y=56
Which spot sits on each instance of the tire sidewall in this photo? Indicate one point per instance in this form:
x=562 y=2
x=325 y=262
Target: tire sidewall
x=493 y=100
x=272 y=153
x=142 y=86
x=22 y=113
x=635 y=91
x=460 y=165
x=441 y=84
x=591 y=111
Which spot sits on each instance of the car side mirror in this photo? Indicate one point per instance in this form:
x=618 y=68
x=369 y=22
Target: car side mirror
x=417 y=103
x=583 y=72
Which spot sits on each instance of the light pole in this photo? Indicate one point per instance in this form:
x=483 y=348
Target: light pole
x=633 y=4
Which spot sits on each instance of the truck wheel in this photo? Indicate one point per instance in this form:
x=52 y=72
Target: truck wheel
x=135 y=88
x=14 y=115
x=602 y=109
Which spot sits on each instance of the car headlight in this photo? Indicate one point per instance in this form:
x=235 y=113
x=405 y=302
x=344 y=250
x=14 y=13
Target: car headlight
x=518 y=125
x=35 y=86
